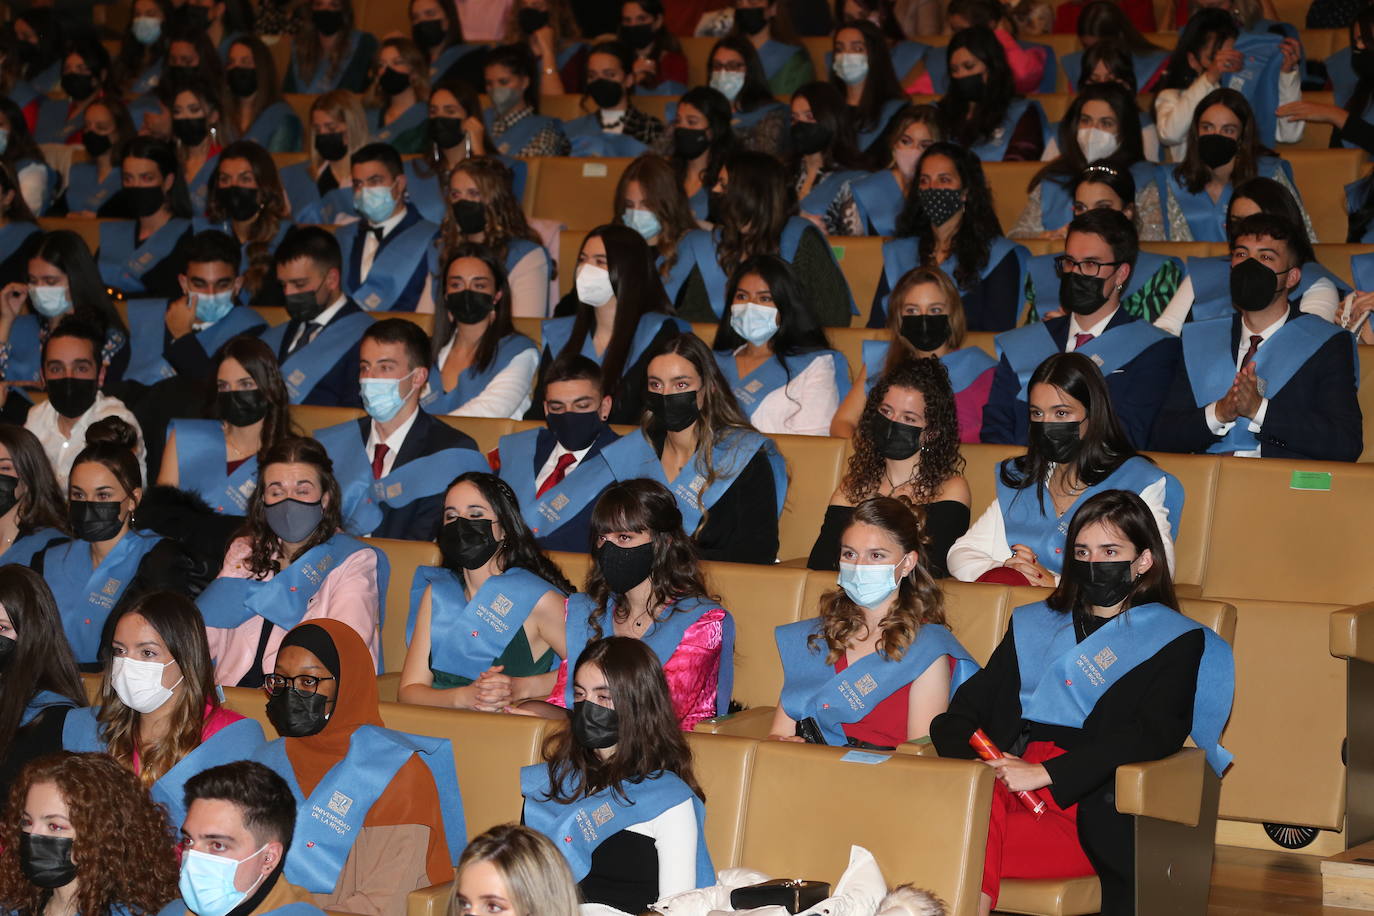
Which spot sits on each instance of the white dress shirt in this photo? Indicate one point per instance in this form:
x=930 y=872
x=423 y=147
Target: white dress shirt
x=805 y=405
x=509 y=392
x=62 y=450
x=1096 y=330
x=552 y=462
x=392 y=442
x=322 y=319
x=1209 y=412
x=371 y=243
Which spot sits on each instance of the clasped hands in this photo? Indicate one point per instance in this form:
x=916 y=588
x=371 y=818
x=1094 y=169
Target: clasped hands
x=1243 y=399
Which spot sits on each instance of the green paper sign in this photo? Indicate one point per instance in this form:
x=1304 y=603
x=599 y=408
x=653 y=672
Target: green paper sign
x=1310 y=480
x=839 y=252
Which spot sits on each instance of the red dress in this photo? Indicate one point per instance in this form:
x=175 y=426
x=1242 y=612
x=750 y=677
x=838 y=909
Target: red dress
x=886 y=725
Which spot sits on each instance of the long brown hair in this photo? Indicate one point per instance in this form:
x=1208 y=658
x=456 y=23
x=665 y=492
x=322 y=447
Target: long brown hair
x=1193 y=173
x=267 y=94
x=501 y=324
x=757 y=204
x=273 y=208
x=42 y=505
x=505 y=219
x=258 y=360
x=419 y=72
x=899 y=349
x=664 y=196
x=42 y=658
x=264 y=545
x=1126 y=512
x=307 y=46
x=650 y=740
x=919 y=600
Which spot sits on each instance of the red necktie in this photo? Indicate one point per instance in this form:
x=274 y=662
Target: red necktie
x=1080 y=339
x=556 y=476
x=1255 y=341
x=378 y=457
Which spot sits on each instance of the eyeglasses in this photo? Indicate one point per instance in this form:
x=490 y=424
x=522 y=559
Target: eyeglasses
x=1067 y=265
x=304 y=685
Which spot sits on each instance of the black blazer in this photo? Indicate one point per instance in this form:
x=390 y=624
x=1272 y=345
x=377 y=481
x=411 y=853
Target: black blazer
x=573 y=534
x=420 y=520
x=1315 y=417
x=339 y=386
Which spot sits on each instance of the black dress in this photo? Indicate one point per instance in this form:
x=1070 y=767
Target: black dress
x=946 y=522
x=41 y=736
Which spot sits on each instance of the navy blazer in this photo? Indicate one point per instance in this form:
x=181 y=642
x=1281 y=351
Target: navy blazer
x=409 y=298
x=1315 y=417
x=573 y=534
x=1137 y=388
x=420 y=520
x=339 y=386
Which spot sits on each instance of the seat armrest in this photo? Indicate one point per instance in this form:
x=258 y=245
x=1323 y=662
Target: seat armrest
x=1185 y=590
x=430 y=901
x=920 y=747
x=1352 y=633
x=388 y=686
x=1167 y=790
x=754 y=722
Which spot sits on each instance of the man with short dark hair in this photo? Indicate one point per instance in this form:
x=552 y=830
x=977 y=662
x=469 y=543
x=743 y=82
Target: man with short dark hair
x=394 y=465
x=1269 y=381
x=1136 y=358
x=557 y=470
x=386 y=253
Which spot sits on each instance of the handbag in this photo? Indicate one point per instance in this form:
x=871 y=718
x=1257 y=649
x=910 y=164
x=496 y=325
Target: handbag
x=795 y=894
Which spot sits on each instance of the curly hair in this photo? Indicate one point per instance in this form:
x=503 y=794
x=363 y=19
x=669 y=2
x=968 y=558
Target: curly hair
x=264 y=543
x=939 y=457
x=126 y=852
x=505 y=219
x=273 y=208
x=919 y=600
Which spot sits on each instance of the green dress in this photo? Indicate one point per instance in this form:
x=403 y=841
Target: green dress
x=516 y=658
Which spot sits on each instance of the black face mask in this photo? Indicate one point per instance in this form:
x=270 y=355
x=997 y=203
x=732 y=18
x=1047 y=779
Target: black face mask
x=303 y=306
x=295 y=716
x=1102 y=584
x=9 y=498
x=241 y=408
x=469 y=306
x=575 y=430
x=625 y=567
x=178 y=75
x=240 y=204
x=46 y=860
x=605 y=93
x=190 y=131
x=94 y=522
x=243 y=81
x=71 y=397
x=7 y=647
x=428 y=34
x=940 y=204
x=751 y=19
x=594 y=726
x=926 y=333
x=331 y=147
x=531 y=20
x=637 y=36
x=1081 y=294
x=972 y=87
x=690 y=142
x=898 y=441
x=96 y=144
x=467 y=543
x=446 y=132
x=1058 y=442
x=327 y=22
x=1253 y=286
x=675 y=412
x=809 y=137
x=470 y=215
x=1215 y=150
x=144 y=201
x=78 y=86
x=393 y=82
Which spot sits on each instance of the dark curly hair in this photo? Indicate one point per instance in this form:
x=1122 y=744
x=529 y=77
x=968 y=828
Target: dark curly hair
x=126 y=852
x=978 y=227
x=264 y=543
x=940 y=458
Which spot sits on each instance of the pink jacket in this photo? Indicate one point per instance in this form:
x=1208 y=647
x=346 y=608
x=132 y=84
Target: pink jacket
x=1027 y=67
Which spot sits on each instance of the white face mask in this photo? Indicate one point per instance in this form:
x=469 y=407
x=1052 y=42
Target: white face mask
x=139 y=684
x=1096 y=143
x=754 y=321
x=594 y=285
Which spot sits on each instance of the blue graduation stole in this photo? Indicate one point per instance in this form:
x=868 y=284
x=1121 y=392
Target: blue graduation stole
x=327 y=210
x=363 y=497
x=964 y=365
x=397 y=258
x=1144 y=66
x=700 y=202
x=1258 y=81
x=1211 y=364
x=774 y=55
x=85 y=595
x=663 y=636
x=565 y=499
x=423 y=190
x=747 y=120
x=471 y=382
x=1341 y=70
x=412 y=117
x=775 y=373
x=303 y=369
x=811 y=687
x=178 y=908
x=53 y=125
x=901 y=255
x=1207 y=218
x=44 y=700
x=448 y=57
x=698 y=248
x=869 y=136
x=146 y=330
x=513 y=140
x=298 y=181
x=905 y=56
x=321 y=82
x=25 y=350
x=273 y=119
x=47 y=80
x=122 y=263
x=1027 y=347
x=1027 y=522
x=13 y=235
x=994 y=149
x=239 y=740
x=329 y=820
x=633 y=456
x=199 y=185
x=823 y=193
x=25 y=547
x=466 y=635
x=577 y=829
x=1063 y=679
x=81 y=731
x=202 y=462
x=605 y=144
x=1361 y=268
x=556 y=332
x=880 y=199
x=84 y=189
x=666 y=87
x=1355 y=194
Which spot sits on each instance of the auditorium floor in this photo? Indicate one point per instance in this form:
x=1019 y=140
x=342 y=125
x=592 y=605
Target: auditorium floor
x=1249 y=882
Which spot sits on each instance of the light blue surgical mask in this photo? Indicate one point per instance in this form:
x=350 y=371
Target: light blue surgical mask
x=213 y=306
x=147 y=29
x=4 y=140
x=642 y=221
x=852 y=68
x=727 y=83
x=207 y=882
x=504 y=98
x=754 y=321
x=375 y=204
x=868 y=584
x=382 y=397
x=49 y=301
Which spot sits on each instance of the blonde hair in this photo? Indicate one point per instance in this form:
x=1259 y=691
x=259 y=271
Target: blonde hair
x=899 y=347
x=536 y=874
x=344 y=106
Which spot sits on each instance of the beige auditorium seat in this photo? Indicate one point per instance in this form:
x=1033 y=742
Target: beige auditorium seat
x=576 y=192
x=88 y=229
x=311 y=418
x=1008 y=182
x=574 y=565
x=722 y=765
x=405 y=557
x=814 y=467
x=1321 y=176
x=861 y=262
x=1335 y=256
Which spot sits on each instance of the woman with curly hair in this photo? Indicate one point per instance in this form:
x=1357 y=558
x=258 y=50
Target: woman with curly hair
x=93 y=841
x=906 y=446
x=248 y=202
x=885 y=625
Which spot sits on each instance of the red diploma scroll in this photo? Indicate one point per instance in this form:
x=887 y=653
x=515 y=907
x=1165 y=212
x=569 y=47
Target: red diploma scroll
x=981 y=743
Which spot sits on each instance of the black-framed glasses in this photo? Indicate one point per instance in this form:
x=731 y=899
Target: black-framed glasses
x=305 y=685
x=1067 y=265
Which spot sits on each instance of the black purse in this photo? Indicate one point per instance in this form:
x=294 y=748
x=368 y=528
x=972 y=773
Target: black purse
x=809 y=731
x=795 y=894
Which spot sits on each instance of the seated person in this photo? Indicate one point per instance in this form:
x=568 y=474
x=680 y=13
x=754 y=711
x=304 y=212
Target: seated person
x=319 y=188
x=786 y=64
x=35 y=511
x=885 y=625
x=403 y=821
x=876 y=199
x=1077 y=448
x=317 y=348
x=615 y=127
x=490 y=560
x=160 y=714
x=622 y=729
x=981 y=106
x=385 y=268
x=391 y=464
x=141 y=255
x=729 y=481
x=293 y=563
x=1269 y=381
x=177 y=337
x=87 y=74
x=558 y=471
x=239 y=823
x=327 y=52
x=906 y=446
x=1172 y=678
x=249 y=204
x=399 y=96
x=758 y=120
x=254 y=106
x=513 y=126
x=824 y=157
x=516 y=864
x=1136 y=357
x=19 y=230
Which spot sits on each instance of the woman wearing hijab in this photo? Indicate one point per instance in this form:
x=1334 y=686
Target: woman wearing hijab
x=378 y=811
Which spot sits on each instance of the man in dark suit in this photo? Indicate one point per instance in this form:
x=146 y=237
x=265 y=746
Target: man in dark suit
x=557 y=470
x=318 y=347
x=385 y=254
x=1269 y=381
x=1136 y=358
